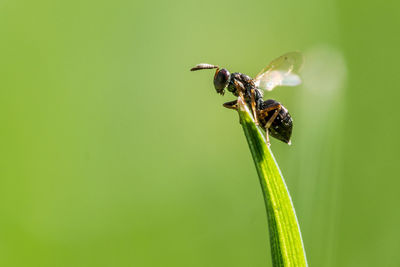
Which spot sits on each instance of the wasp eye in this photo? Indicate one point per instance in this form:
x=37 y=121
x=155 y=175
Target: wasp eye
x=221 y=80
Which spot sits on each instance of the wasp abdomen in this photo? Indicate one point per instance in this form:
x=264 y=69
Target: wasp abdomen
x=281 y=127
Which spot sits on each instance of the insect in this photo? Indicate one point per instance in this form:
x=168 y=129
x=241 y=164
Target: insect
x=271 y=115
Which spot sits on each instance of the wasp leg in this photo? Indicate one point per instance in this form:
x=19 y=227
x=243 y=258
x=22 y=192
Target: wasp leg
x=273 y=117
x=264 y=113
x=240 y=89
x=231 y=104
x=253 y=105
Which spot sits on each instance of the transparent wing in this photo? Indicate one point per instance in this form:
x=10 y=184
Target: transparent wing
x=283 y=71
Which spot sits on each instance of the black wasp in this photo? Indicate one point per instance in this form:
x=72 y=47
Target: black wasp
x=270 y=114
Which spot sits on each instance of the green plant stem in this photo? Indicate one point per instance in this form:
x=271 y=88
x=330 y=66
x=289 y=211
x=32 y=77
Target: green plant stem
x=285 y=237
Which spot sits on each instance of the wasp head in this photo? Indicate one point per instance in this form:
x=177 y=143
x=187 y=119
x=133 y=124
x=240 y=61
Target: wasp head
x=221 y=80
x=221 y=77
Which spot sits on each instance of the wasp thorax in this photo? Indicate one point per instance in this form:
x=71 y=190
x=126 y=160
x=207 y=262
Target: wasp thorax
x=221 y=80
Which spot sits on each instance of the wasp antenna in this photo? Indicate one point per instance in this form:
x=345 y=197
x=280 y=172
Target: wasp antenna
x=204 y=66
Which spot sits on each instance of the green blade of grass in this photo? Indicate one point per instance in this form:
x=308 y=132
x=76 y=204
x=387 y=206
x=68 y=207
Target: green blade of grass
x=285 y=237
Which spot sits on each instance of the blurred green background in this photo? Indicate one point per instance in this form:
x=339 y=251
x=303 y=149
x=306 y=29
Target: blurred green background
x=114 y=154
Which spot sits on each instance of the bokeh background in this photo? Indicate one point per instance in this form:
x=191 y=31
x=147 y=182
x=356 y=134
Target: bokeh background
x=114 y=154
